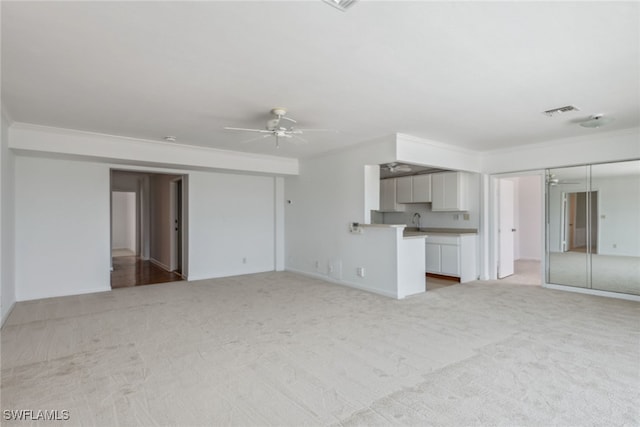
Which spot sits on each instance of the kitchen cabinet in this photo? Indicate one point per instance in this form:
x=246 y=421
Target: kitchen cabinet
x=421 y=188
x=388 y=200
x=450 y=192
x=453 y=255
x=404 y=189
x=413 y=189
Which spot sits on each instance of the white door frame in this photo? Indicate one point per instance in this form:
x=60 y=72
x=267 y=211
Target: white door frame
x=506 y=227
x=494 y=209
x=173 y=207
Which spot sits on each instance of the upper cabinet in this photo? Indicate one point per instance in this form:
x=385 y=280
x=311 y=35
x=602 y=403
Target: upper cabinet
x=388 y=197
x=421 y=188
x=450 y=192
x=404 y=189
x=413 y=189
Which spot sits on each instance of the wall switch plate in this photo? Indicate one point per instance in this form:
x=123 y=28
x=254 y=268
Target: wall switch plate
x=360 y=271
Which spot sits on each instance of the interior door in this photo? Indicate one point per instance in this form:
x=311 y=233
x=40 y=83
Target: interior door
x=506 y=228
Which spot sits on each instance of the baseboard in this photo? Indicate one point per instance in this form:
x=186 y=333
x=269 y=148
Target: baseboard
x=159 y=264
x=594 y=292
x=82 y=292
x=342 y=283
x=5 y=315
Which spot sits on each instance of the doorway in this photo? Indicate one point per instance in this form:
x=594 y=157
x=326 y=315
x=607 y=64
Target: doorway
x=518 y=228
x=148 y=215
x=578 y=207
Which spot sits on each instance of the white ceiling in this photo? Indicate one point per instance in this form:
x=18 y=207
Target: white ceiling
x=473 y=74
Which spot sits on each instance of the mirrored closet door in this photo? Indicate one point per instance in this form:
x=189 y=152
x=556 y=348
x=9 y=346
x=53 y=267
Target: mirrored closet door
x=593 y=226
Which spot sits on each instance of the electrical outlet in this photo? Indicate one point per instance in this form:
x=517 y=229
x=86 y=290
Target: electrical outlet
x=465 y=217
x=456 y=217
x=360 y=271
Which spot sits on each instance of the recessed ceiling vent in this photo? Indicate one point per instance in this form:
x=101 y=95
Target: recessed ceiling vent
x=556 y=111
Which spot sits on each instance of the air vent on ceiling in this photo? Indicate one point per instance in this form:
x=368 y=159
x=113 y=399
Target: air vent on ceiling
x=561 y=110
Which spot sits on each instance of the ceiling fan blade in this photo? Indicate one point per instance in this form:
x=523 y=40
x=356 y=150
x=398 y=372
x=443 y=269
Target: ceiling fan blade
x=255 y=139
x=250 y=130
x=287 y=118
x=317 y=130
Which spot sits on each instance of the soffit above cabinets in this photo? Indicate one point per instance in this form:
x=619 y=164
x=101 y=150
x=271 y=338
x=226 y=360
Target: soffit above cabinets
x=415 y=170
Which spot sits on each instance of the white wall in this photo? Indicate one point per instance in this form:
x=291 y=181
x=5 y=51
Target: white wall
x=7 y=217
x=231 y=224
x=62 y=227
x=528 y=218
x=618 y=215
x=327 y=196
x=123 y=220
x=595 y=146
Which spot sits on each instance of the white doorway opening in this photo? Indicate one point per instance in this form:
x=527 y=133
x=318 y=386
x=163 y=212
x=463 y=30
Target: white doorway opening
x=124 y=223
x=518 y=228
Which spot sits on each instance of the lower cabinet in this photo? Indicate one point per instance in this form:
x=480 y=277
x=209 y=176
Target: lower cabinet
x=452 y=256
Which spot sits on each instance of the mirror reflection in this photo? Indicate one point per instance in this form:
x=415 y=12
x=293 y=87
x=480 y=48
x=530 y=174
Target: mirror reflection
x=593 y=226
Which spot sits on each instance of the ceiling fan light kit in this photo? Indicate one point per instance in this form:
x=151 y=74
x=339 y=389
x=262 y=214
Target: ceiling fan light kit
x=274 y=128
x=596 y=121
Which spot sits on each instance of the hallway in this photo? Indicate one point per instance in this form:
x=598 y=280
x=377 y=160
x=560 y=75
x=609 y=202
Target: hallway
x=131 y=271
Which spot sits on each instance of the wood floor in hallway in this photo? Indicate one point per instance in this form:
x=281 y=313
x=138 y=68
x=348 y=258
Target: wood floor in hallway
x=132 y=271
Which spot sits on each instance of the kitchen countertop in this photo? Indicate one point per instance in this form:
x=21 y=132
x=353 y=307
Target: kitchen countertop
x=415 y=233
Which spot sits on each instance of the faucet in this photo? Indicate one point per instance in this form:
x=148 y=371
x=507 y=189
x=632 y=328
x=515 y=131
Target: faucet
x=416 y=220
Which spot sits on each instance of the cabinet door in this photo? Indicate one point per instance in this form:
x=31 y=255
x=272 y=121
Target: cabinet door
x=449 y=192
x=450 y=264
x=421 y=189
x=437 y=191
x=404 y=189
x=387 y=194
x=432 y=258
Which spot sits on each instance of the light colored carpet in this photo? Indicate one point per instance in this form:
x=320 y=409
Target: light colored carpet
x=526 y=272
x=282 y=349
x=608 y=273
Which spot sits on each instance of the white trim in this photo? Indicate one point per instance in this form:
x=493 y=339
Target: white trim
x=159 y=264
x=6 y=314
x=594 y=292
x=343 y=283
x=69 y=143
x=493 y=221
x=81 y=292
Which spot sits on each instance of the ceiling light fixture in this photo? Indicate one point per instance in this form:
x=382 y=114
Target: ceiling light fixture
x=596 y=121
x=342 y=5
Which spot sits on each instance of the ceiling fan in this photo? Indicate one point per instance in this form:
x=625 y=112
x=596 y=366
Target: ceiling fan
x=553 y=181
x=277 y=129
x=396 y=167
